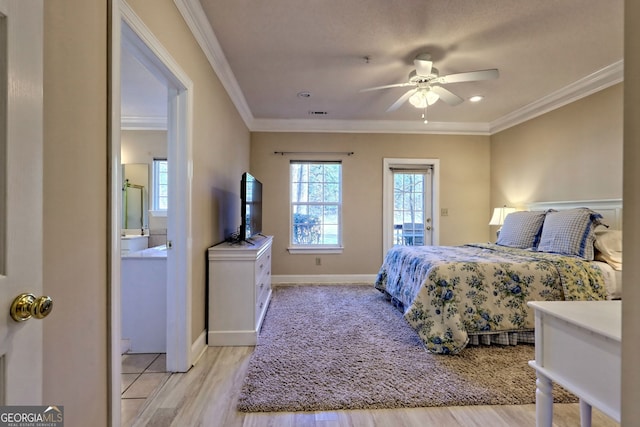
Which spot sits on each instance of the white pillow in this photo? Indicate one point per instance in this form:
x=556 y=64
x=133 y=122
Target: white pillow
x=608 y=246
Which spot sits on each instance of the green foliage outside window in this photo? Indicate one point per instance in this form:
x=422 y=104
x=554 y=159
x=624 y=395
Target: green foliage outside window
x=306 y=229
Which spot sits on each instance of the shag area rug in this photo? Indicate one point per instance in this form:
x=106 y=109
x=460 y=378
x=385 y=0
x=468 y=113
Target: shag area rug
x=329 y=347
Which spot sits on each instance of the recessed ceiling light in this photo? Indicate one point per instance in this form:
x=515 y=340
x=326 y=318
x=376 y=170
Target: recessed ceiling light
x=476 y=98
x=304 y=94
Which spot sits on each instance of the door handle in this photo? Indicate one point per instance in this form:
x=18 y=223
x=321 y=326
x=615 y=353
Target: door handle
x=25 y=306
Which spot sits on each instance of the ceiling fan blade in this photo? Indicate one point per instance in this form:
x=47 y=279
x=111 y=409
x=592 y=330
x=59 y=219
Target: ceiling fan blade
x=447 y=96
x=401 y=100
x=423 y=64
x=470 y=76
x=387 y=86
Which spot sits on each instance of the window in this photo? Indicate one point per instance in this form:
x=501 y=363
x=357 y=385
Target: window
x=160 y=185
x=316 y=204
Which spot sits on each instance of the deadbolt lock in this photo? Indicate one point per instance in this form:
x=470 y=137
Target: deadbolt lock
x=26 y=306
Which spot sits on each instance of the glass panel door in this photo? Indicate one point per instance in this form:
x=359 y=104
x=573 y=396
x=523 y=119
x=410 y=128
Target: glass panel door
x=411 y=208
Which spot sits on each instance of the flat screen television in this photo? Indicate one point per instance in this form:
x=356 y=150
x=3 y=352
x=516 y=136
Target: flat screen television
x=251 y=206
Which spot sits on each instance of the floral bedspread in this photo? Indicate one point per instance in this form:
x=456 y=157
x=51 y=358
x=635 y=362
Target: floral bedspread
x=447 y=291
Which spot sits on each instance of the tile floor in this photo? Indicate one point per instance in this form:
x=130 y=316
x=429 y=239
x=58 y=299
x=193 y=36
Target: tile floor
x=142 y=375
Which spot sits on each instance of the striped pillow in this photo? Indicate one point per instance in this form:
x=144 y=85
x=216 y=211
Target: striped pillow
x=521 y=229
x=570 y=232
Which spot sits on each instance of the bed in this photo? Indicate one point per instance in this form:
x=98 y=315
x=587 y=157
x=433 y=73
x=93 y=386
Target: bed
x=477 y=293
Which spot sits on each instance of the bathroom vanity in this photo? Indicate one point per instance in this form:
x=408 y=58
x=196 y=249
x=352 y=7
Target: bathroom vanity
x=144 y=300
x=132 y=243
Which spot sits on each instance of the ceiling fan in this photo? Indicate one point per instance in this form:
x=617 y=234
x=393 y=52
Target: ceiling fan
x=426 y=84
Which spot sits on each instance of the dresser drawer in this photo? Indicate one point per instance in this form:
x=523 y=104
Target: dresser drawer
x=263 y=264
x=261 y=305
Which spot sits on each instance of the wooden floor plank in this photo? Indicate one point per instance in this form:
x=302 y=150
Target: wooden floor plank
x=207 y=396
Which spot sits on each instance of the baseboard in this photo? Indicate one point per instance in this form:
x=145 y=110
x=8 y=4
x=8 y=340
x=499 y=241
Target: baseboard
x=232 y=338
x=323 y=278
x=199 y=347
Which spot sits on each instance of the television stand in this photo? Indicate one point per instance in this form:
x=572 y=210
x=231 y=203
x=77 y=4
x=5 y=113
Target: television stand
x=239 y=291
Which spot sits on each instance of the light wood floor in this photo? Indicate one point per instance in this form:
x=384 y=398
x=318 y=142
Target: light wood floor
x=207 y=395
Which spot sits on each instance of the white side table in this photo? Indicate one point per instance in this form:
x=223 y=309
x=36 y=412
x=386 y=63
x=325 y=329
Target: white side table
x=578 y=346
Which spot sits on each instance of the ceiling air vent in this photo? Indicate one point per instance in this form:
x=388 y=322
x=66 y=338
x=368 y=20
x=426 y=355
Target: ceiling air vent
x=318 y=113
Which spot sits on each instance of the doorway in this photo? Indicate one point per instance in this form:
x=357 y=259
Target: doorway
x=410 y=188
x=129 y=32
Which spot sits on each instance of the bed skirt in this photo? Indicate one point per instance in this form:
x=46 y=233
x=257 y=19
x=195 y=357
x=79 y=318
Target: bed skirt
x=502 y=338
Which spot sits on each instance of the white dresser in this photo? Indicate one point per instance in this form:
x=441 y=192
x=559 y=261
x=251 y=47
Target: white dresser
x=239 y=291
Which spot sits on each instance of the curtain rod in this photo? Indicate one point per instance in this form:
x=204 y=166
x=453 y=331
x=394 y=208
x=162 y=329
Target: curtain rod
x=343 y=153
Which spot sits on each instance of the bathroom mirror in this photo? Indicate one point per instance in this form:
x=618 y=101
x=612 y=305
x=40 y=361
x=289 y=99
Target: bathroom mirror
x=135 y=196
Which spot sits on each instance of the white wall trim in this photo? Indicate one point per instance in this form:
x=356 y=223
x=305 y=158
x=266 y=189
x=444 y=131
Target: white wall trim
x=369 y=126
x=610 y=209
x=288 y=279
x=595 y=82
x=115 y=224
x=148 y=49
x=199 y=346
x=194 y=16
x=143 y=123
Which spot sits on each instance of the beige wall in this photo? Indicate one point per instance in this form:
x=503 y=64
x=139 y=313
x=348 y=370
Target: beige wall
x=572 y=153
x=75 y=209
x=631 y=249
x=220 y=145
x=142 y=146
x=464 y=191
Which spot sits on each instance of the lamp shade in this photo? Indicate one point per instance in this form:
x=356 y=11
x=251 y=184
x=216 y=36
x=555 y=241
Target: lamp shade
x=423 y=97
x=499 y=214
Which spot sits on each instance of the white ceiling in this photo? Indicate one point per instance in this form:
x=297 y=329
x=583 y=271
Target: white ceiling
x=548 y=52
x=144 y=98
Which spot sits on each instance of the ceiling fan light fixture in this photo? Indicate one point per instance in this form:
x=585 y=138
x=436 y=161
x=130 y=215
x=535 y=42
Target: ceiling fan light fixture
x=476 y=98
x=418 y=100
x=423 y=97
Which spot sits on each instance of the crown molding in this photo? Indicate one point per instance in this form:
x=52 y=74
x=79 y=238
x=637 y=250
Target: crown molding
x=143 y=123
x=601 y=79
x=196 y=20
x=368 y=126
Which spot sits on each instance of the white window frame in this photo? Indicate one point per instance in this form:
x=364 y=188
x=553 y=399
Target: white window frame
x=155 y=211
x=387 y=198
x=316 y=248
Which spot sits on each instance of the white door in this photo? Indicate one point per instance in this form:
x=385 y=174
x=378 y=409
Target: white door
x=21 y=199
x=409 y=202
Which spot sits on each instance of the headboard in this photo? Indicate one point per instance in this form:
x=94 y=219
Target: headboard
x=610 y=209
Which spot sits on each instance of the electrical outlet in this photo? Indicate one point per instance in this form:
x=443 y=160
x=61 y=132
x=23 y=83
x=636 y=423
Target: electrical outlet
x=444 y=212
x=318 y=261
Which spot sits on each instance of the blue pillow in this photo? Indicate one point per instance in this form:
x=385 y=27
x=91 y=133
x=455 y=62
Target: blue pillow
x=570 y=232
x=521 y=229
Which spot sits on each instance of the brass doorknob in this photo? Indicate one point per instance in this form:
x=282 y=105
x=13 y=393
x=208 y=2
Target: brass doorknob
x=26 y=306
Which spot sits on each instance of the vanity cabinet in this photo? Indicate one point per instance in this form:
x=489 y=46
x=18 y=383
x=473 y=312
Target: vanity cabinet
x=132 y=243
x=239 y=291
